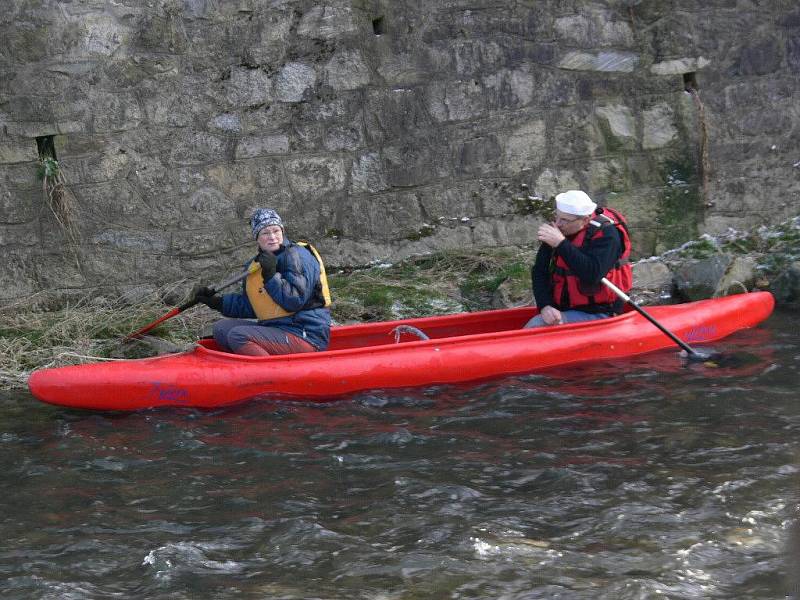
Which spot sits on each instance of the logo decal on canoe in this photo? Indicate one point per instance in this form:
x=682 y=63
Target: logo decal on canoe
x=161 y=392
x=702 y=333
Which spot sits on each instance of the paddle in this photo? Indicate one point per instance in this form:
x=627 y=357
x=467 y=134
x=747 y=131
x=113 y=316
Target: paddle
x=691 y=353
x=179 y=309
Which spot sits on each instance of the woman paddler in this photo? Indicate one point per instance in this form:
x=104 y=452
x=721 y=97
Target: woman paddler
x=288 y=296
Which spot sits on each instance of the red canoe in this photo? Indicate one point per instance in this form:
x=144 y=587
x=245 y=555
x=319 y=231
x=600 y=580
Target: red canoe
x=462 y=347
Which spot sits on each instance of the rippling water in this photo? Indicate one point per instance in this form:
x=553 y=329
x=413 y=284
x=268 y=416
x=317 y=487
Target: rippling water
x=631 y=479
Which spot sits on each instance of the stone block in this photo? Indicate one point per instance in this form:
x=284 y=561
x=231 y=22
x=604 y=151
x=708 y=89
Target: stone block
x=167 y=106
x=115 y=202
x=572 y=134
x=191 y=147
x=366 y=174
x=247 y=178
x=759 y=57
x=248 y=87
x=345 y=136
x=449 y=203
x=20 y=176
x=603 y=62
x=525 y=147
x=659 y=127
x=102 y=35
x=19 y=235
x=129 y=240
x=293 y=81
x=17 y=277
x=638 y=206
x=609 y=175
x=793 y=52
x=381 y=218
x=113 y=111
x=618 y=126
x=403 y=68
x=313 y=176
x=332 y=20
x=413 y=164
x=679 y=66
x=229 y=123
x=253 y=146
x=20 y=206
x=95 y=168
x=210 y=241
x=480 y=156
x=18 y=151
x=347 y=70
x=392 y=113
x=205 y=207
x=456 y=100
x=510 y=88
x=593 y=29
x=550 y=182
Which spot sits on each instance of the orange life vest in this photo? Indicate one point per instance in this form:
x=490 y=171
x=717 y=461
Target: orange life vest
x=266 y=308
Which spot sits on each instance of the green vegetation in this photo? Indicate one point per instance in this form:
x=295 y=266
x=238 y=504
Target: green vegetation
x=48 y=168
x=534 y=205
x=424 y=231
x=698 y=249
x=427 y=285
x=61 y=201
x=679 y=207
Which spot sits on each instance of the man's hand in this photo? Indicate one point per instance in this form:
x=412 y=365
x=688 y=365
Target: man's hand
x=550 y=315
x=550 y=235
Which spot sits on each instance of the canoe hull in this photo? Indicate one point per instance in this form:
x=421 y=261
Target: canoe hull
x=366 y=357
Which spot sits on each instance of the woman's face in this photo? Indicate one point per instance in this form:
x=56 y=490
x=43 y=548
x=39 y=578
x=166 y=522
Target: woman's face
x=270 y=238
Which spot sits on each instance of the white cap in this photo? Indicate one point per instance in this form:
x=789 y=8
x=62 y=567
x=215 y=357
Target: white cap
x=575 y=202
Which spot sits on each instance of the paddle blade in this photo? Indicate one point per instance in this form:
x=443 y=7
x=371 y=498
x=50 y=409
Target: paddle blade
x=151 y=326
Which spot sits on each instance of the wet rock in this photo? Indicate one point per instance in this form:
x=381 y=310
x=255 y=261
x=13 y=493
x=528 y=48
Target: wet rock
x=700 y=280
x=739 y=277
x=786 y=286
x=652 y=276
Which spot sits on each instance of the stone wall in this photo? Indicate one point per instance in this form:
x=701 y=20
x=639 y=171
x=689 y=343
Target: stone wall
x=379 y=129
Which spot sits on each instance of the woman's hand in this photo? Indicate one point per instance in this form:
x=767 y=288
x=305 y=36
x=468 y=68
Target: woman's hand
x=268 y=264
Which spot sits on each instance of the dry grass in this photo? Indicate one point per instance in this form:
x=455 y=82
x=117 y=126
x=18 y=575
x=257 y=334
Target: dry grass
x=92 y=329
x=86 y=331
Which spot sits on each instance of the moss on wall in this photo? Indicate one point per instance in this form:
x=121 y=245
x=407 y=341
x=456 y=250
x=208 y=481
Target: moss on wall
x=678 y=212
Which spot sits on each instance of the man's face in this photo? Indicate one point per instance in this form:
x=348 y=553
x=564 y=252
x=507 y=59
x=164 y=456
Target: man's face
x=570 y=224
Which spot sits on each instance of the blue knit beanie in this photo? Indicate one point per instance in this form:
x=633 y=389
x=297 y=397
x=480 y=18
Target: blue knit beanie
x=264 y=217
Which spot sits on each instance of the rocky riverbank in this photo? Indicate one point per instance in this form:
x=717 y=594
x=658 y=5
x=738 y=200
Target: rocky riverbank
x=439 y=283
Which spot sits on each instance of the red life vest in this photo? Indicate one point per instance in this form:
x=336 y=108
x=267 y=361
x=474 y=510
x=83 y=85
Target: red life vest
x=569 y=291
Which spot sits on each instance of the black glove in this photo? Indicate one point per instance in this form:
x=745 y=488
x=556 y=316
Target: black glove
x=206 y=295
x=268 y=264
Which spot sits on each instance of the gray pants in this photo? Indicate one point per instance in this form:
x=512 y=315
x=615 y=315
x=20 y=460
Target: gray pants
x=246 y=337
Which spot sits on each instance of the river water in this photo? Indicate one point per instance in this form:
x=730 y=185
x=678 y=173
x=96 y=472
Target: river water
x=644 y=478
